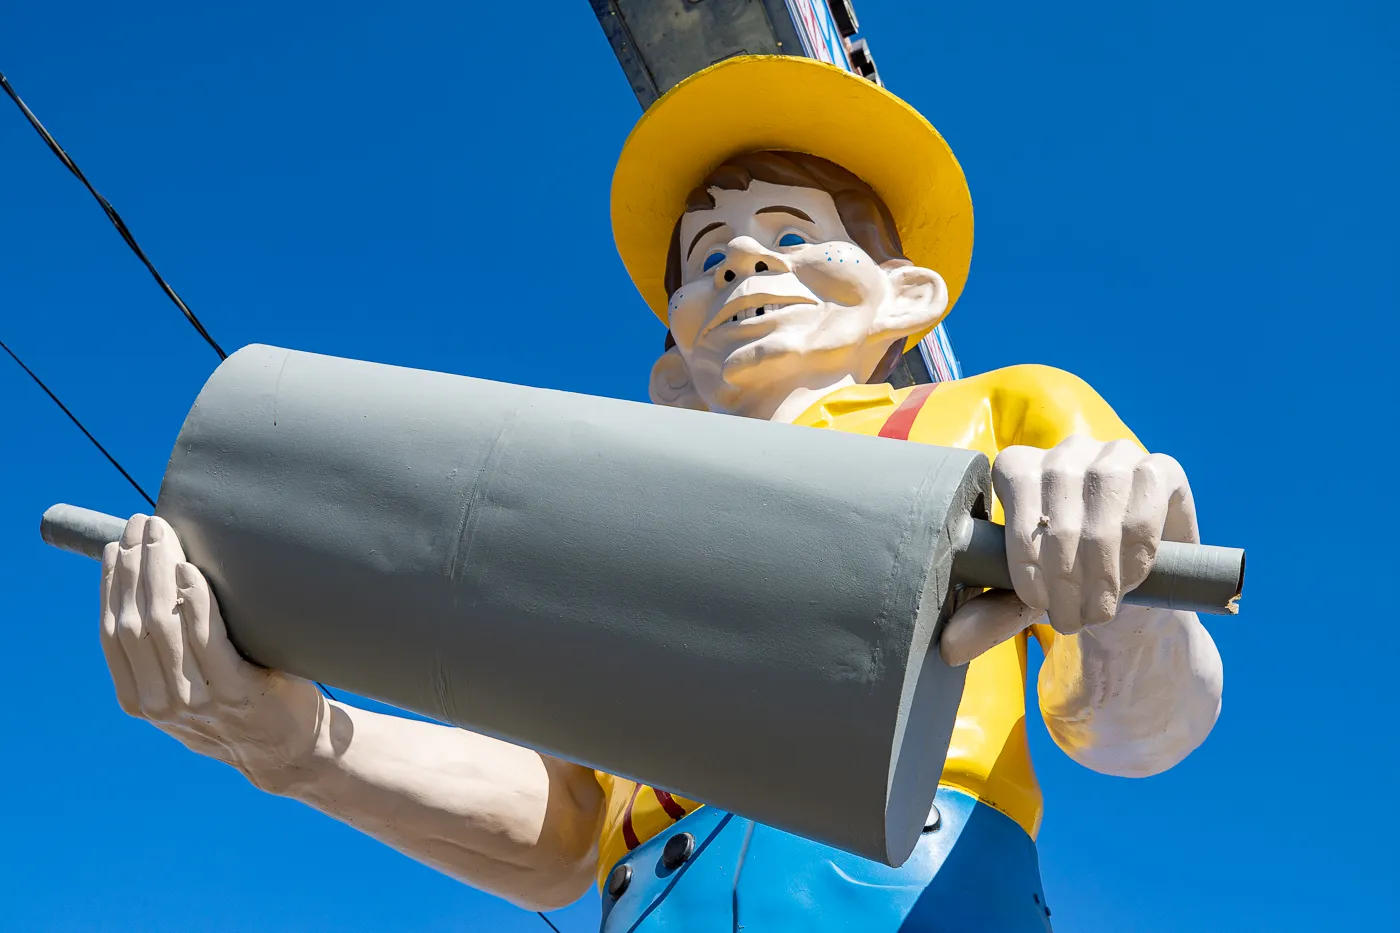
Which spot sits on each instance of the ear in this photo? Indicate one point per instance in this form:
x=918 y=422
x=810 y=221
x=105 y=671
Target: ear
x=670 y=382
x=919 y=299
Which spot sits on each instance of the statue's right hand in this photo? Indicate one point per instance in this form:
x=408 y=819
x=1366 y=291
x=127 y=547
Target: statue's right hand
x=172 y=663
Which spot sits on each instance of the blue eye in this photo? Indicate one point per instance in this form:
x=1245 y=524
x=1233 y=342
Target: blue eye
x=712 y=260
x=791 y=239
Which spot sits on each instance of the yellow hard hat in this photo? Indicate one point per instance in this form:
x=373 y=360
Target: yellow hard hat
x=778 y=102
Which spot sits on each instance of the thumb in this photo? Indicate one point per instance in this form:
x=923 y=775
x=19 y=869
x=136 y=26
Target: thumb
x=983 y=623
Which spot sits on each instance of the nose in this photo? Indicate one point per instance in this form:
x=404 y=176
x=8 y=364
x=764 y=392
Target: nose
x=744 y=256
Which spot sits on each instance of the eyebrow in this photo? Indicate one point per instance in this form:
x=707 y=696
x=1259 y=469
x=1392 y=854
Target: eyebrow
x=781 y=209
x=703 y=231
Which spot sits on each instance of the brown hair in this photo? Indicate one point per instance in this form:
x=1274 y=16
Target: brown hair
x=862 y=212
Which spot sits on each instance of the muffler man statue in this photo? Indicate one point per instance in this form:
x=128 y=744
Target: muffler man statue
x=796 y=228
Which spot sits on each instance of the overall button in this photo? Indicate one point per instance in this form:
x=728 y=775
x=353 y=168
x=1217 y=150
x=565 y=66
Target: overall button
x=934 y=820
x=678 y=849
x=618 y=880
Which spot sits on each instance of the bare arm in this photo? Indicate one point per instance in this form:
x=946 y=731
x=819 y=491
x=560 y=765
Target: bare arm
x=503 y=819
x=1135 y=697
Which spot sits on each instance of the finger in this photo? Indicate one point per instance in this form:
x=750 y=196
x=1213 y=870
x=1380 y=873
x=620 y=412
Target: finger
x=1108 y=489
x=1181 y=506
x=157 y=598
x=1062 y=507
x=1016 y=481
x=1143 y=524
x=983 y=623
x=117 y=664
x=131 y=628
x=228 y=676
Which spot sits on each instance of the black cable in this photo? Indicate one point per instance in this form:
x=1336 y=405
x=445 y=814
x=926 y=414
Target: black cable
x=170 y=292
x=74 y=418
x=122 y=229
x=98 y=444
x=111 y=213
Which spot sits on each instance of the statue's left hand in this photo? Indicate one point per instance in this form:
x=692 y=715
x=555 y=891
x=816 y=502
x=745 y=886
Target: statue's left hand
x=1084 y=521
x=173 y=665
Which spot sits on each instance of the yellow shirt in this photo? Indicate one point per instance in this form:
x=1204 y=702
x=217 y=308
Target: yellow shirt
x=988 y=757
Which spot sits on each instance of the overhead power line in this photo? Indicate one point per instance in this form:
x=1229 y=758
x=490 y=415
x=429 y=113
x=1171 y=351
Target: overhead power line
x=170 y=292
x=74 y=418
x=98 y=444
x=112 y=215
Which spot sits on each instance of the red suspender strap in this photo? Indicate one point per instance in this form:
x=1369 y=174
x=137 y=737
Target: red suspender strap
x=668 y=803
x=629 y=832
x=901 y=422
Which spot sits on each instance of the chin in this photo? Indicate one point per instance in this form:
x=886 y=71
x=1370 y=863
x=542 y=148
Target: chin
x=751 y=361
x=758 y=366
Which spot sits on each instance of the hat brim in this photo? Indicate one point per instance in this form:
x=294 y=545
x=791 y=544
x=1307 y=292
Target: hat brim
x=772 y=102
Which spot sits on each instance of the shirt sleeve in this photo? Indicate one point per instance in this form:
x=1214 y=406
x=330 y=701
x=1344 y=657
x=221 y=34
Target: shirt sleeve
x=1039 y=406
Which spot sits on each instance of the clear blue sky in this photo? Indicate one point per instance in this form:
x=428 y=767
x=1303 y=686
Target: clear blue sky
x=1192 y=205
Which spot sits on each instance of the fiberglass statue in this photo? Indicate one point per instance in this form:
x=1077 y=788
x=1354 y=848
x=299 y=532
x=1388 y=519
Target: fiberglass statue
x=796 y=228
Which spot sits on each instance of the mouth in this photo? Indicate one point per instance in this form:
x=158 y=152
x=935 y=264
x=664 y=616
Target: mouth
x=750 y=308
x=751 y=313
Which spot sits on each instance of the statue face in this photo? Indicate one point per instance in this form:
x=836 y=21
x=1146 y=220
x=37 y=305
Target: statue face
x=776 y=296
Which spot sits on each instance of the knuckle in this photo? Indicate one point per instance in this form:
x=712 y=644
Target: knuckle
x=1077 y=440
x=1012 y=467
x=1020 y=546
x=1029 y=582
x=1165 y=468
x=1063 y=528
x=1060 y=473
x=1146 y=470
x=202 y=704
x=1137 y=563
x=1060 y=551
x=1017 y=452
x=1146 y=545
x=129 y=623
x=1164 y=461
x=1102 y=608
x=1064 y=586
x=129 y=560
x=1107 y=473
x=1122 y=450
x=1098 y=551
x=1018 y=503
x=1141 y=530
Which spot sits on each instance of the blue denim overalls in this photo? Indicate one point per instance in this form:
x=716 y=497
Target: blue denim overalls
x=974 y=871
